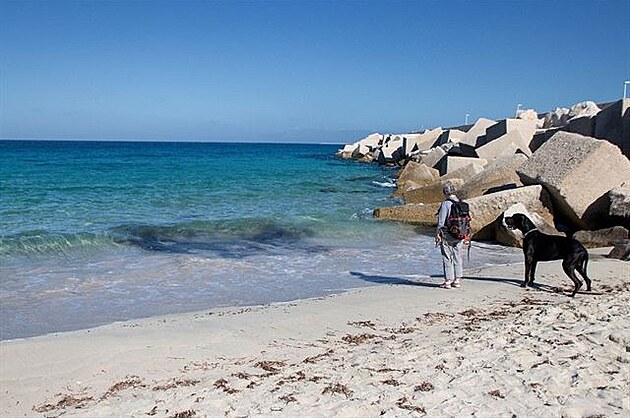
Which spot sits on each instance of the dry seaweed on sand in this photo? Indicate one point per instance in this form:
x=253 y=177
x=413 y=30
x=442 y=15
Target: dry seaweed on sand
x=314 y=359
x=270 y=365
x=223 y=384
x=189 y=413
x=129 y=382
x=288 y=398
x=199 y=365
x=424 y=387
x=366 y=324
x=432 y=318
x=358 y=339
x=470 y=313
x=403 y=329
x=69 y=400
x=296 y=377
x=391 y=382
x=337 y=388
x=496 y=394
x=403 y=403
x=176 y=383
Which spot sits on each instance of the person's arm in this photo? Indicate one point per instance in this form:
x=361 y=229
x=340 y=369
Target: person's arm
x=442 y=215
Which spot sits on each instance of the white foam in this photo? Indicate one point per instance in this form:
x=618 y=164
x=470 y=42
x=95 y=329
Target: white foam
x=384 y=184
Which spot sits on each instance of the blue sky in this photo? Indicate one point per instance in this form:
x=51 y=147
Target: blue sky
x=310 y=71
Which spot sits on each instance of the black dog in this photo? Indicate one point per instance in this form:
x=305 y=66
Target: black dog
x=542 y=247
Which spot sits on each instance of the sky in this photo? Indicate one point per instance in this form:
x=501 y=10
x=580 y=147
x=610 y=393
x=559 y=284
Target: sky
x=297 y=71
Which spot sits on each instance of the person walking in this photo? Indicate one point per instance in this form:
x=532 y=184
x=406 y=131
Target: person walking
x=450 y=246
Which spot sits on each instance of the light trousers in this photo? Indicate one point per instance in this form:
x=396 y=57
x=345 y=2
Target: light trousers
x=452 y=259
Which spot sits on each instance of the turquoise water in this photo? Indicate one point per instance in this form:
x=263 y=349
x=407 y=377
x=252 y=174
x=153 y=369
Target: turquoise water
x=59 y=195
x=95 y=232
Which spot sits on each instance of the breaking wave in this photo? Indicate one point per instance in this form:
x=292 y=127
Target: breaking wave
x=384 y=184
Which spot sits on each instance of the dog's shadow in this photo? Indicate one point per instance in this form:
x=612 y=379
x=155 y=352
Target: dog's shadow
x=541 y=287
x=393 y=280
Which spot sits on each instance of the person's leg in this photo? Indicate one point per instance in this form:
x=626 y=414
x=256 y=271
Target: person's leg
x=447 y=264
x=457 y=264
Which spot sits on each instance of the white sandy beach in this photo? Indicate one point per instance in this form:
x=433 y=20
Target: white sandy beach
x=487 y=349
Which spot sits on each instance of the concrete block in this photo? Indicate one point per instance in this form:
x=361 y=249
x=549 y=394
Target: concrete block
x=433 y=157
x=528 y=114
x=416 y=175
x=613 y=124
x=557 y=118
x=620 y=201
x=410 y=145
x=621 y=251
x=579 y=172
x=478 y=130
x=526 y=128
x=450 y=135
x=468 y=150
x=606 y=237
x=508 y=144
x=391 y=151
x=619 y=209
x=430 y=193
x=421 y=142
x=419 y=213
x=451 y=163
x=498 y=175
x=347 y=151
x=362 y=148
x=542 y=136
x=465 y=172
x=361 y=151
x=373 y=140
x=584 y=125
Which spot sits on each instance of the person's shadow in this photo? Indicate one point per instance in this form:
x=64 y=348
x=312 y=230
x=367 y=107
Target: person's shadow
x=402 y=281
x=392 y=280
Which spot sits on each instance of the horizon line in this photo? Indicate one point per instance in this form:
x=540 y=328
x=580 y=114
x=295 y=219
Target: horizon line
x=189 y=141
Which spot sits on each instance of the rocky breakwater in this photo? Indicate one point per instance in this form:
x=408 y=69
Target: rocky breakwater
x=568 y=170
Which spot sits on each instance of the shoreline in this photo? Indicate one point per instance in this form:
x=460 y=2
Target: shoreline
x=200 y=283
x=395 y=349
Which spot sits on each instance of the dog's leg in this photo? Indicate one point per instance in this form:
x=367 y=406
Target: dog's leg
x=568 y=266
x=527 y=268
x=532 y=273
x=530 y=263
x=581 y=268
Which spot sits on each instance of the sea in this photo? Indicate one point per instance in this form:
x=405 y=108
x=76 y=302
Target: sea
x=97 y=232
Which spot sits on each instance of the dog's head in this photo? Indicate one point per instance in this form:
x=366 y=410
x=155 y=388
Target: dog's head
x=519 y=221
x=509 y=222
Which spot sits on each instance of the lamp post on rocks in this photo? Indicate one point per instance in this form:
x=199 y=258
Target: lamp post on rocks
x=518 y=109
x=625 y=86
